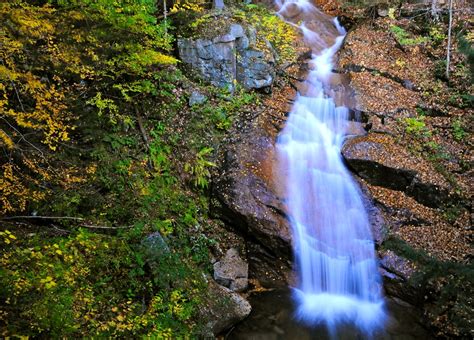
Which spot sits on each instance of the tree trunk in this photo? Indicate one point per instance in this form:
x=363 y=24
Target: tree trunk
x=165 y=15
x=448 y=54
x=434 y=10
x=218 y=4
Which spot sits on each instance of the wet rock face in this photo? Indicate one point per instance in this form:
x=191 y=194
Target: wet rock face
x=227 y=57
x=375 y=215
x=379 y=160
x=247 y=201
x=232 y=272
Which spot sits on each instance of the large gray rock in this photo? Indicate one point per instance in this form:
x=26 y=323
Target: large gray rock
x=222 y=309
x=226 y=58
x=214 y=61
x=232 y=272
x=253 y=70
x=381 y=161
x=154 y=247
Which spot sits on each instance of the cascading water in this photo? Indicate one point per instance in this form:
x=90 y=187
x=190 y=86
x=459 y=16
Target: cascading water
x=334 y=251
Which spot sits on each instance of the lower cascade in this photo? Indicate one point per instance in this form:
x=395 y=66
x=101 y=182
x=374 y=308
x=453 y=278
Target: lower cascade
x=338 y=279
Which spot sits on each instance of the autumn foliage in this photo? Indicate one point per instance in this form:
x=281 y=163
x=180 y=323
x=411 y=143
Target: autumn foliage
x=75 y=79
x=55 y=57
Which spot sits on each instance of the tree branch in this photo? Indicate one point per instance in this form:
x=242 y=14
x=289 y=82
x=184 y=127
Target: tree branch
x=43 y=217
x=142 y=129
x=104 y=227
x=85 y=225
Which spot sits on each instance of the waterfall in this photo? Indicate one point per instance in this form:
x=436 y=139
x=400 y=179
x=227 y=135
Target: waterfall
x=336 y=266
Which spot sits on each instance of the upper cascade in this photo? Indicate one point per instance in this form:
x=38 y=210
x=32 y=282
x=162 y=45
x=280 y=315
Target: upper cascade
x=338 y=279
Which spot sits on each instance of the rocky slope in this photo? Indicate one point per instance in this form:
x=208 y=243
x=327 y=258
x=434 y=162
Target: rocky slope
x=411 y=163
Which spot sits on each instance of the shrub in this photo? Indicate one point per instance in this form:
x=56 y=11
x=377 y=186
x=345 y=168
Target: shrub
x=403 y=37
x=94 y=285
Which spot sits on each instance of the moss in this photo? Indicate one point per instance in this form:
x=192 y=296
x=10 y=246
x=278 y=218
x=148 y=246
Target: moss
x=269 y=28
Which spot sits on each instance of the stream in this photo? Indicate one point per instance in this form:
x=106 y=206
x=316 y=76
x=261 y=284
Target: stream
x=272 y=318
x=336 y=266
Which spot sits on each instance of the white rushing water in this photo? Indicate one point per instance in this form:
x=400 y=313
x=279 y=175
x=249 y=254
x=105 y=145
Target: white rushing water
x=338 y=279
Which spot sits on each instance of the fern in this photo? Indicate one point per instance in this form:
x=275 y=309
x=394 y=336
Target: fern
x=199 y=169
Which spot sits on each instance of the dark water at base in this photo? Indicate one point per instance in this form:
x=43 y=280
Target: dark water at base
x=272 y=319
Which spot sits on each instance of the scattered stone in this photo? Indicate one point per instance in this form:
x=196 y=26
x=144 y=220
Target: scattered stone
x=382 y=12
x=154 y=247
x=218 y=4
x=222 y=309
x=155 y=243
x=197 y=98
x=232 y=272
x=236 y=31
x=408 y=84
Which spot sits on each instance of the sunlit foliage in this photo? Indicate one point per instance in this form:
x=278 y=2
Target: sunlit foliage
x=54 y=57
x=274 y=36
x=273 y=30
x=187 y=5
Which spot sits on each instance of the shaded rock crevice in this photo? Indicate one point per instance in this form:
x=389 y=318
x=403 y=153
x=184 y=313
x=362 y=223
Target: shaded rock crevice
x=232 y=271
x=408 y=84
x=397 y=272
x=379 y=160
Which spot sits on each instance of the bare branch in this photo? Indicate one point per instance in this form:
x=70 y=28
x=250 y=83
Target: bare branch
x=85 y=225
x=145 y=137
x=22 y=137
x=105 y=227
x=44 y=217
